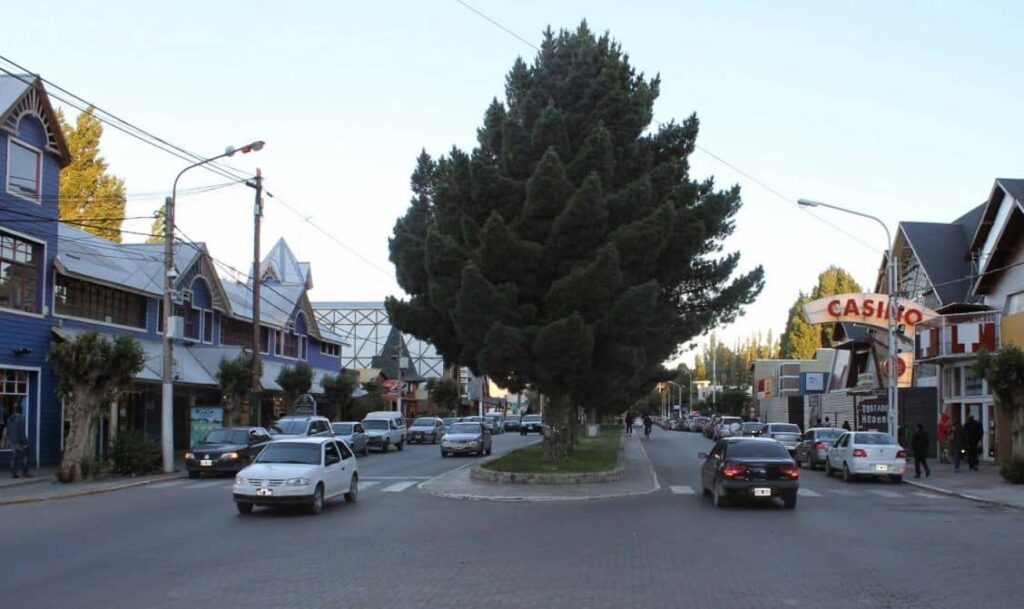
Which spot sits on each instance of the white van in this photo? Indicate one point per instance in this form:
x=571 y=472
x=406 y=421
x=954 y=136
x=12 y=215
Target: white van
x=385 y=428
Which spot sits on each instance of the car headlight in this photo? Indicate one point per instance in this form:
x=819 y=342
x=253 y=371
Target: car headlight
x=474 y=442
x=229 y=456
x=189 y=456
x=297 y=482
x=241 y=480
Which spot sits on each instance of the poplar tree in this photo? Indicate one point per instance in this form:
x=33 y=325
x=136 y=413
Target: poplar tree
x=569 y=250
x=90 y=198
x=800 y=339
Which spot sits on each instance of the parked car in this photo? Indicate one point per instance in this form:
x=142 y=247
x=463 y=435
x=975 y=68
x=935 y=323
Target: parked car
x=353 y=433
x=301 y=426
x=727 y=427
x=301 y=471
x=709 y=428
x=426 y=429
x=786 y=433
x=497 y=427
x=512 y=422
x=866 y=453
x=749 y=468
x=227 y=449
x=698 y=423
x=466 y=438
x=531 y=423
x=449 y=421
x=751 y=428
x=813 y=447
x=385 y=428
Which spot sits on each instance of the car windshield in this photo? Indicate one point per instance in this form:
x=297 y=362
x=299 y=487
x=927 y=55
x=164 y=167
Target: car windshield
x=342 y=429
x=288 y=427
x=473 y=419
x=531 y=418
x=752 y=426
x=465 y=428
x=375 y=424
x=829 y=434
x=784 y=428
x=875 y=438
x=451 y=420
x=291 y=452
x=423 y=423
x=512 y=418
x=756 y=450
x=227 y=436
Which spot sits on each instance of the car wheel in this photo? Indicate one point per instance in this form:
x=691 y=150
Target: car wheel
x=828 y=468
x=353 y=490
x=789 y=500
x=897 y=479
x=847 y=476
x=384 y=447
x=718 y=495
x=488 y=451
x=704 y=491
x=400 y=445
x=243 y=507
x=192 y=474
x=317 y=504
x=444 y=454
x=366 y=449
x=796 y=459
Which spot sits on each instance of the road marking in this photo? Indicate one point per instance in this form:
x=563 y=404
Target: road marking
x=886 y=494
x=928 y=495
x=364 y=484
x=396 y=478
x=682 y=490
x=843 y=492
x=398 y=487
x=806 y=492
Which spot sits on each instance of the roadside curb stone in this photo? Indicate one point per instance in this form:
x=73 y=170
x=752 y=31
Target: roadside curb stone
x=967 y=496
x=84 y=492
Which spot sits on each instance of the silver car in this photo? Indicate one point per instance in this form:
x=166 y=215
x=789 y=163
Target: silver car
x=814 y=444
x=426 y=429
x=466 y=438
x=786 y=433
x=353 y=435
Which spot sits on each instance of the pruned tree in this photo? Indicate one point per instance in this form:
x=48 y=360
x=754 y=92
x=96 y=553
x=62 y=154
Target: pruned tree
x=294 y=381
x=91 y=371
x=444 y=393
x=372 y=400
x=337 y=398
x=235 y=379
x=570 y=249
x=90 y=198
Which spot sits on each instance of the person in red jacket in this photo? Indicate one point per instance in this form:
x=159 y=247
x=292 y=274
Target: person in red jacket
x=943 y=437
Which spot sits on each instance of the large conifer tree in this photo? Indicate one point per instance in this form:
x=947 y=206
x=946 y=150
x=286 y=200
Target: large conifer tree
x=90 y=198
x=569 y=250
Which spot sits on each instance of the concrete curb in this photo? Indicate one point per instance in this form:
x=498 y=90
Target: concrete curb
x=87 y=492
x=479 y=473
x=975 y=498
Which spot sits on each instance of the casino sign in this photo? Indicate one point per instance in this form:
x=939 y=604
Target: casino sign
x=868 y=309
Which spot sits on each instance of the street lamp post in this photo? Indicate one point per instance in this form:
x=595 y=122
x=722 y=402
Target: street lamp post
x=170 y=275
x=893 y=356
x=680 y=388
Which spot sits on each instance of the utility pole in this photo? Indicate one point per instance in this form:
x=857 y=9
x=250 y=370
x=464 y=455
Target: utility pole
x=398 y=358
x=714 y=375
x=483 y=380
x=254 y=380
x=167 y=376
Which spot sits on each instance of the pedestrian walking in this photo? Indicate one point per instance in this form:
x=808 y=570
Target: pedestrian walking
x=648 y=422
x=629 y=423
x=17 y=440
x=956 y=444
x=846 y=425
x=972 y=439
x=943 y=435
x=919 y=444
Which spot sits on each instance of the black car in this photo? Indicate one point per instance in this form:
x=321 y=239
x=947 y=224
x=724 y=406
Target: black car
x=749 y=468
x=226 y=450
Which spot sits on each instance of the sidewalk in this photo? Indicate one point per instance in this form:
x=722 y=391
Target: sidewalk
x=44 y=487
x=984 y=485
x=639 y=478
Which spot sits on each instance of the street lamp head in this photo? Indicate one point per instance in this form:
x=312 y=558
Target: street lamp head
x=253 y=147
x=257 y=145
x=807 y=203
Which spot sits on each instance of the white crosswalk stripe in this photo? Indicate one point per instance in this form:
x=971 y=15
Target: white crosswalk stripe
x=363 y=485
x=927 y=495
x=682 y=490
x=806 y=492
x=398 y=487
x=886 y=494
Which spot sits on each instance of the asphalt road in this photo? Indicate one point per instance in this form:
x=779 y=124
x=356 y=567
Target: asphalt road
x=181 y=544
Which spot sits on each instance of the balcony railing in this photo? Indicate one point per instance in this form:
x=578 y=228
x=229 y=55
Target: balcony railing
x=958 y=336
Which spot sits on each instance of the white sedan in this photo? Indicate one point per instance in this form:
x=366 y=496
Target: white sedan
x=866 y=453
x=300 y=471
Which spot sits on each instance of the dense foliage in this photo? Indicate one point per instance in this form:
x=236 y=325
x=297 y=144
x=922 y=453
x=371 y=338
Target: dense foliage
x=133 y=454
x=444 y=394
x=294 y=381
x=569 y=250
x=337 y=399
x=234 y=376
x=90 y=198
x=800 y=339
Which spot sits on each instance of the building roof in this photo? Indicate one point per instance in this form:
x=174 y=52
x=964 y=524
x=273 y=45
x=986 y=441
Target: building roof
x=280 y=264
x=942 y=250
x=22 y=94
x=388 y=364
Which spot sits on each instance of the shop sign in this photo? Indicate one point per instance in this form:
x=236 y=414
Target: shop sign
x=203 y=421
x=868 y=309
x=872 y=414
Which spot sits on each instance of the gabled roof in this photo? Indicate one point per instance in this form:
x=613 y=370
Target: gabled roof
x=24 y=94
x=282 y=265
x=1013 y=188
x=388 y=363
x=1002 y=221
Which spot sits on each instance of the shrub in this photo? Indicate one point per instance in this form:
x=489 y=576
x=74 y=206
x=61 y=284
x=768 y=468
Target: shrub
x=134 y=454
x=1013 y=471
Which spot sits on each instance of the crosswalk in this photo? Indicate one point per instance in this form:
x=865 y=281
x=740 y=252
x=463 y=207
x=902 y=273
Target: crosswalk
x=383 y=484
x=836 y=492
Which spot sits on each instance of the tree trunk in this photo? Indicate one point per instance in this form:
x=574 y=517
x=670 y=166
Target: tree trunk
x=79 y=446
x=232 y=410
x=557 y=432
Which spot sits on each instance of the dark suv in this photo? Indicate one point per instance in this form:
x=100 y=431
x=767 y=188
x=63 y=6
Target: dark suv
x=226 y=450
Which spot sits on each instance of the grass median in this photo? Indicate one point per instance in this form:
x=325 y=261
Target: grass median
x=591 y=455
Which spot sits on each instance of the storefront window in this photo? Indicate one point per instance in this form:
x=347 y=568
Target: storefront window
x=13 y=391
x=974 y=385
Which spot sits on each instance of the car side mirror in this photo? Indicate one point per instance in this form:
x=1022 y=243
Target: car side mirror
x=702 y=455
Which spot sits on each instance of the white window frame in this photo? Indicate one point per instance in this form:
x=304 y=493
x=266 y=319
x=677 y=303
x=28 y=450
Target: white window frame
x=13 y=141
x=202 y=326
x=44 y=306
x=330 y=349
x=1014 y=303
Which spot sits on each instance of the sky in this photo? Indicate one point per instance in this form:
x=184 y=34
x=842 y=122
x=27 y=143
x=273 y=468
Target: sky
x=907 y=111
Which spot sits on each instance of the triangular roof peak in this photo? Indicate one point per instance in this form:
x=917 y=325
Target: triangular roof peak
x=281 y=265
x=24 y=95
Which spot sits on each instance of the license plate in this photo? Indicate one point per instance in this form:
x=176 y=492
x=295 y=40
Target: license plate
x=762 y=492
x=881 y=468
x=206 y=463
x=264 y=492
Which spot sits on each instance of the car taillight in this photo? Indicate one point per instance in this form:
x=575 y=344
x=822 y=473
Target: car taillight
x=859 y=452
x=790 y=471
x=820 y=446
x=731 y=470
x=901 y=454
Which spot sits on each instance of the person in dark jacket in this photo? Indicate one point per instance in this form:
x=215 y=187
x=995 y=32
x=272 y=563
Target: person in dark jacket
x=956 y=444
x=972 y=438
x=629 y=422
x=919 y=444
x=17 y=440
